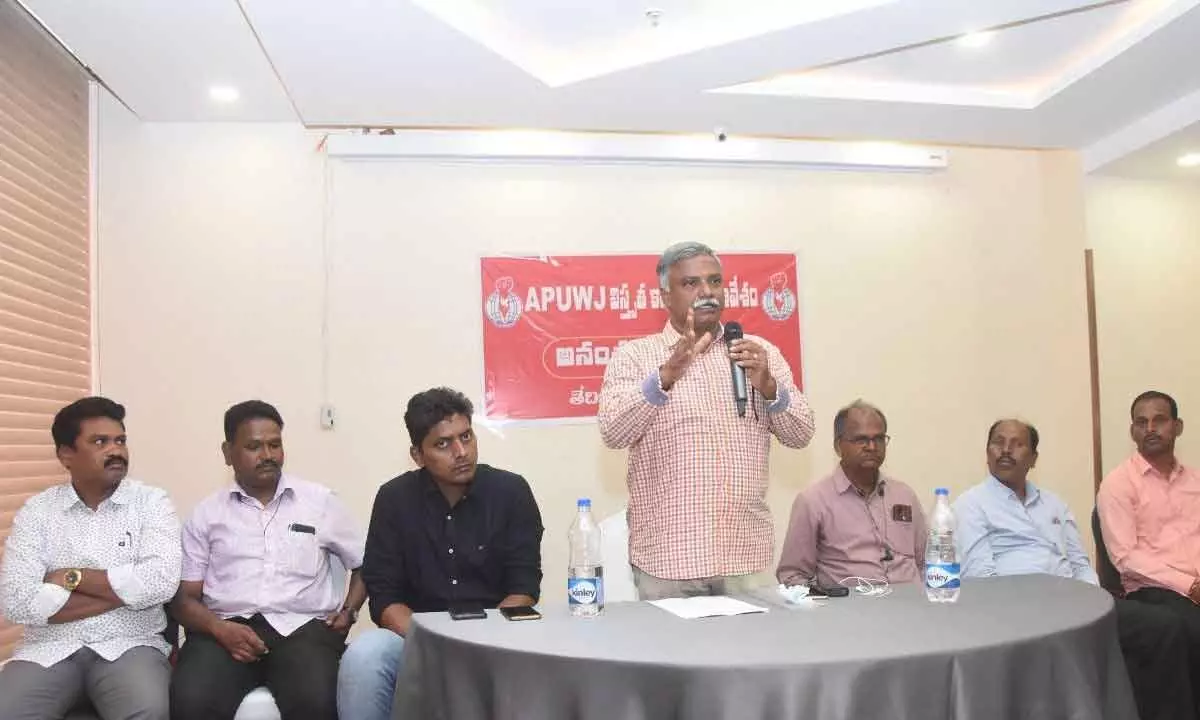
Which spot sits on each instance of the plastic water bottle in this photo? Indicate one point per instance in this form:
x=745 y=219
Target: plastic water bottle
x=585 y=573
x=941 y=560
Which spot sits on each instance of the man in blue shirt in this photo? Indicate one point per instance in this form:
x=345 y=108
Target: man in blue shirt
x=1009 y=526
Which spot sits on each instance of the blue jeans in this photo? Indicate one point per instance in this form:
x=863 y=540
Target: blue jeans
x=367 y=675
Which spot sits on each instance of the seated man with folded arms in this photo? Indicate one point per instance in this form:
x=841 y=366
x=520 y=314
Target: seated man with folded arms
x=258 y=596
x=87 y=568
x=451 y=534
x=856 y=522
x=1009 y=526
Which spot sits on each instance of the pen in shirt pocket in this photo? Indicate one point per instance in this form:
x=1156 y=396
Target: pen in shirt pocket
x=126 y=540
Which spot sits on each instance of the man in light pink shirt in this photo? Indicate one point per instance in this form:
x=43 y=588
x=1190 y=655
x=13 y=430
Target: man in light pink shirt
x=258 y=597
x=1150 y=515
x=857 y=522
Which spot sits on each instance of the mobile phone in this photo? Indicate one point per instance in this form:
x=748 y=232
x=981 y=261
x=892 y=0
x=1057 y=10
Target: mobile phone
x=468 y=613
x=835 y=591
x=520 y=613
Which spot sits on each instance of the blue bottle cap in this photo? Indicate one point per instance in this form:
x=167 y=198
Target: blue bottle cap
x=584 y=503
x=942 y=491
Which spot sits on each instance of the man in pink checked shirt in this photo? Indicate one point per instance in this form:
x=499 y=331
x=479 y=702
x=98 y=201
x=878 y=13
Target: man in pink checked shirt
x=698 y=517
x=857 y=522
x=258 y=597
x=1150 y=515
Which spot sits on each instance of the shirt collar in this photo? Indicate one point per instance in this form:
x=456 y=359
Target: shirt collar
x=123 y=494
x=68 y=498
x=842 y=483
x=432 y=489
x=285 y=484
x=1144 y=467
x=1032 y=494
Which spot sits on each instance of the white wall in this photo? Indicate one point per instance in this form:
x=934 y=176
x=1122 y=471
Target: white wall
x=948 y=299
x=1146 y=242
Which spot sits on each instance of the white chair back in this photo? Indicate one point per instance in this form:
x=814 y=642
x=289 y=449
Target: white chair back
x=618 y=574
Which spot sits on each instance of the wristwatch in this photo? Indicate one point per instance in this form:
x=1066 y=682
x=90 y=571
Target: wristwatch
x=72 y=578
x=353 y=614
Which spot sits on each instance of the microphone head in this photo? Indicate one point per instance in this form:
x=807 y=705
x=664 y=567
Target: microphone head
x=733 y=331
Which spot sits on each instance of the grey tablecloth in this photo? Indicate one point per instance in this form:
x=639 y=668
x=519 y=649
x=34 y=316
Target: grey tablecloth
x=1029 y=647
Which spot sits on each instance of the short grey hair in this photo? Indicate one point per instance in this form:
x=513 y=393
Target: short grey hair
x=839 y=420
x=678 y=252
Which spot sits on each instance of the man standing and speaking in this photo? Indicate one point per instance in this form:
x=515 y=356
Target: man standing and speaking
x=698 y=517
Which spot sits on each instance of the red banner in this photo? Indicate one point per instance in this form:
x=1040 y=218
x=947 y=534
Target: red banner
x=551 y=324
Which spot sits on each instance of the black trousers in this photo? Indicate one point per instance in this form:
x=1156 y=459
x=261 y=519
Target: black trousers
x=1161 y=646
x=300 y=670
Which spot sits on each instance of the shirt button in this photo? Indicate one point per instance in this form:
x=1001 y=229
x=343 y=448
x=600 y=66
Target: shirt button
x=451 y=551
x=449 y=517
x=453 y=581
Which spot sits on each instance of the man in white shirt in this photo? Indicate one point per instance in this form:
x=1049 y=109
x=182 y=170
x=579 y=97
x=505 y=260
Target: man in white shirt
x=87 y=569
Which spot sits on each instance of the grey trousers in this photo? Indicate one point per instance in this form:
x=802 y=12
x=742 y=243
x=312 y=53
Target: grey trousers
x=656 y=588
x=132 y=687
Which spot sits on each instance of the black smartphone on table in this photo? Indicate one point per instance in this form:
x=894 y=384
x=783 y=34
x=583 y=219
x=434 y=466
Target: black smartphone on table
x=835 y=591
x=520 y=613
x=468 y=613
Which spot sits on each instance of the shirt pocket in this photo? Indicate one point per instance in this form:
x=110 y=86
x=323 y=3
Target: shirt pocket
x=125 y=545
x=901 y=536
x=302 y=552
x=479 y=555
x=485 y=561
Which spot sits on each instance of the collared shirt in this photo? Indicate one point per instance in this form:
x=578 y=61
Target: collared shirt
x=836 y=533
x=998 y=534
x=272 y=560
x=1151 y=524
x=697 y=473
x=133 y=535
x=430 y=556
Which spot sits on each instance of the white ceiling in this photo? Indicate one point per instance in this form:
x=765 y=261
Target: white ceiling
x=1157 y=160
x=1115 y=79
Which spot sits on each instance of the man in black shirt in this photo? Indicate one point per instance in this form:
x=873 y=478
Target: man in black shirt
x=450 y=534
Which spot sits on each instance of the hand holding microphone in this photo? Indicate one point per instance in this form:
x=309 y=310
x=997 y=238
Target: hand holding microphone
x=751 y=357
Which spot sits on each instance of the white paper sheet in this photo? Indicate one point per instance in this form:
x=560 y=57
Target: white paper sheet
x=706 y=606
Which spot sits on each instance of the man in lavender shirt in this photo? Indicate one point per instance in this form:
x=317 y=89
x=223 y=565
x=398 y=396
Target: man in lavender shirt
x=258 y=595
x=857 y=522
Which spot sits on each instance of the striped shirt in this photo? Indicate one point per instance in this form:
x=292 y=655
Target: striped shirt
x=697 y=473
x=271 y=559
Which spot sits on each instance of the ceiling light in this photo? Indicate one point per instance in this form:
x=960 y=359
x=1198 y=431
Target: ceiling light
x=1190 y=160
x=975 y=39
x=223 y=93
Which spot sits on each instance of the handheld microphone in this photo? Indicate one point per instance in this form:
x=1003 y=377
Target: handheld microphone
x=733 y=331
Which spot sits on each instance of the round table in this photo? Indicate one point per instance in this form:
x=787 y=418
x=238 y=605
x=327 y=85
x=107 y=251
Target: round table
x=1032 y=646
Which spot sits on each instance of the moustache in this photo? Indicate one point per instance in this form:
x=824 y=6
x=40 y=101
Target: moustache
x=1152 y=436
x=112 y=462
x=705 y=304
x=268 y=464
